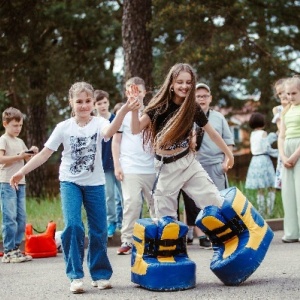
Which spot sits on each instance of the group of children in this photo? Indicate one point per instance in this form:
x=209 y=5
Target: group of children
x=163 y=131
x=261 y=174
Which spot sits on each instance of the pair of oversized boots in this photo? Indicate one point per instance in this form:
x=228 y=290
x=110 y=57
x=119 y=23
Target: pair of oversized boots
x=261 y=203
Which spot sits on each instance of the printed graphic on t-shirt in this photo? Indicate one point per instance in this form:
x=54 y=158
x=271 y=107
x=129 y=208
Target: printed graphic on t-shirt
x=83 y=152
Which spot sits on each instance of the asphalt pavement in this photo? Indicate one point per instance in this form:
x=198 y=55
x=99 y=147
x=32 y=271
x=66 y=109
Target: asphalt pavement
x=278 y=277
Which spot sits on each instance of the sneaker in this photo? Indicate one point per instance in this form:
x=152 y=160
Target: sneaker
x=205 y=243
x=13 y=257
x=125 y=249
x=111 y=229
x=76 y=286
x=26 y=256
x=285 y=240
x=101 y=284
x=189 y=241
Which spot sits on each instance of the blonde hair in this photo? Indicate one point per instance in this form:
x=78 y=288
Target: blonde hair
x=79 y=87
x=295 y=80
x=181 y=123
x=278 y=83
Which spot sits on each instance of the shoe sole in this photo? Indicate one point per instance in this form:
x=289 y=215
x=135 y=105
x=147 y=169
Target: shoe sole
x=13 y=261
x=105 y=288
x=78 y=291
x=124 y=253
x=95 y=285
x=289 y=241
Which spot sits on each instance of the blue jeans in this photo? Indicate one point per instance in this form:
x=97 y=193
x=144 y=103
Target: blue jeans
x=93 y=200
x=13 y=209
x=119 y=204
x=114 y=198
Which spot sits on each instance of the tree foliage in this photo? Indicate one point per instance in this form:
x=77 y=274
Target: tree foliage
x=238 y=47
x=45 y=47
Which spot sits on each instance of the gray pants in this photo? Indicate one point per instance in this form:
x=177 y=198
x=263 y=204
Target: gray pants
x=187 y=174
x=218 y=176
x=291 y=193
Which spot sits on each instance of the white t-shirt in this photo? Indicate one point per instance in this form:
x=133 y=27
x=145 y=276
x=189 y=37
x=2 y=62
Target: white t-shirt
x=134 y=159
x=81 y=160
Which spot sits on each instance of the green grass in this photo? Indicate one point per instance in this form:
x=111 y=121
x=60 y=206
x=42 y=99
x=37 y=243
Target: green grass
x=251 y=196
x=39 y=213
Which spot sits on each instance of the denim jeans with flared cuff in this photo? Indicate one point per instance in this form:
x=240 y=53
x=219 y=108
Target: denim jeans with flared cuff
x=73 y=196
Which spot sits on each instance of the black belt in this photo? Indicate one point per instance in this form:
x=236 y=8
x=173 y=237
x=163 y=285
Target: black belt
x=170 y=159
x=260 y=154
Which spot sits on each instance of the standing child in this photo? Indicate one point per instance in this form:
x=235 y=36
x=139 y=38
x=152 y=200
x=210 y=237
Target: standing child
x=277 y=110
x=13 y=153
x=289 y=149
x=119 y=202
x=261 y=173
x=81 y=183
x=167 y=123
x=210 y=157
x=112 y=185
x=134 y=167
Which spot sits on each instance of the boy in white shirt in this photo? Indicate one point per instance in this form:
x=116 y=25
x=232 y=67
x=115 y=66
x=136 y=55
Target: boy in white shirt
x=134 y=167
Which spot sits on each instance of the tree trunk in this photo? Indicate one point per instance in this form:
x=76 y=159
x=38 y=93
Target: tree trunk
x=36 y=135
x=136 y=37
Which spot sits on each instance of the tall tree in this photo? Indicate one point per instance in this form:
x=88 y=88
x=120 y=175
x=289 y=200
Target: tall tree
x=45 y=47
x=136 y=36
x=238 y=47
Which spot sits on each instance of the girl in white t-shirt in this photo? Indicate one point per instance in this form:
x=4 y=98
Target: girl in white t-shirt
x=261 y=173
x=82 y=182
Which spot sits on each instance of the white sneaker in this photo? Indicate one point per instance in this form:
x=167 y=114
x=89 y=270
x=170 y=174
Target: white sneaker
x=26 y=256
x=13 y=256
x=101 y=284
x=77 y=286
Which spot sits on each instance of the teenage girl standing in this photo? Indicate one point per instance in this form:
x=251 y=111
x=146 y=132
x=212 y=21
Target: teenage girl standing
x=289 y=149
x=167 y=122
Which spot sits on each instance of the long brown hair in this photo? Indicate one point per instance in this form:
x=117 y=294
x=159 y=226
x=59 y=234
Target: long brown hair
x=181 y=123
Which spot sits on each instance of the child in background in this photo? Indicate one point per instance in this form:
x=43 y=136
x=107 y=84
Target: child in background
x=210 y=157
x=82 y=181
x=119 y=198
x=134 y=167
x=277 y=110
x=289 y=149
x=261 y=173
x=167 y=123
x=112 y=185
x=13 y=153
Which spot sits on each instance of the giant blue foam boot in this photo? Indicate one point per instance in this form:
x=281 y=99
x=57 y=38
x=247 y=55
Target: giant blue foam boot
x=159 y=261
x=239 y=234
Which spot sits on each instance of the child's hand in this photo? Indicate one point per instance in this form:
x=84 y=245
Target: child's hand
x=133 y=92
x=290 y=163
x=35 y=149
x=132 y=104
x=15 y=179
x=230 y=162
